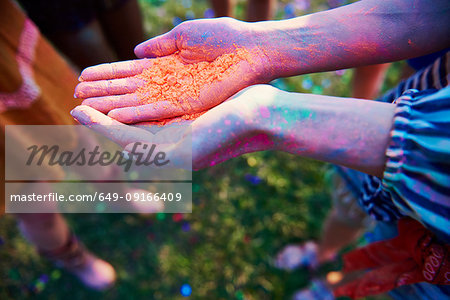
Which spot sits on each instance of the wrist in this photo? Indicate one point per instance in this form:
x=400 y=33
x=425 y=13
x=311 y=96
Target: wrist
x=289 y=46
x=267 y=50
x=266 y=106
x=257 y=105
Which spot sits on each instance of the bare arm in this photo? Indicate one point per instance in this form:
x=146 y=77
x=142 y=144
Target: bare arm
x=363 y=33
x=345 y=131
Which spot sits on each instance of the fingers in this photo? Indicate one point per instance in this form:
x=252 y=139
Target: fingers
x=177 y=120
x=154 y=111
x=108 y=127
x=107 y=103
x=115 y=70
x=158 y=46
x=86 y=115
x=88 y=89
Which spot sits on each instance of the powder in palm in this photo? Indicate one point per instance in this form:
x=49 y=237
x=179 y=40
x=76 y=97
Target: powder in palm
x=170 y=79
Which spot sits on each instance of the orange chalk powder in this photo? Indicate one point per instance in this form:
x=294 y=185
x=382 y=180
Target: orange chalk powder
x=170 y=79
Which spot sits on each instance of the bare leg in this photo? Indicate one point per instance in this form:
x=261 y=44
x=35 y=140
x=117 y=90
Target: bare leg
x=123 y=28
x=336 y=235
x=51 y=236
x=260 y=10
x=344 y=223
x=342 y=226
x=367 y=81
x=45 y=231
x=223 y=8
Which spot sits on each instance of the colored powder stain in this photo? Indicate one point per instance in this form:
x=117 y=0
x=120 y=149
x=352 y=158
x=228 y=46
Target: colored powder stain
x=160 y=216
x=264 y=111
x=239 y=295
x=186 y=226
x=44 y=278
x=171 y=80
x=56 y=274
x=186 y=290
x=317 y=90
x=253 y=179
x=195 y=188
x=209 y=13
x=177 y=217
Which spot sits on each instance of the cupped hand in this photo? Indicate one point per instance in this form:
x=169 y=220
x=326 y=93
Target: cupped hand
x=114 y=89
x=226 y=131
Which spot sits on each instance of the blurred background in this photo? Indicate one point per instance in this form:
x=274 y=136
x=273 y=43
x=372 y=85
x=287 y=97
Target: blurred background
x=245 y=211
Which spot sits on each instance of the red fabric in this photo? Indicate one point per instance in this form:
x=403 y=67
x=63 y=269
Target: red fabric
x=415 y=255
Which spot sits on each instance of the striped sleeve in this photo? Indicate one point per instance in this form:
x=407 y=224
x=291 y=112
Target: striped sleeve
x=435 y=76
x=417 y=173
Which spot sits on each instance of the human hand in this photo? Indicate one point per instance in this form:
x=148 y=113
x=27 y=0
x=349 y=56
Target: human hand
x=342 y=131
x=226 y=131
x=204 y=63
x=205 y=40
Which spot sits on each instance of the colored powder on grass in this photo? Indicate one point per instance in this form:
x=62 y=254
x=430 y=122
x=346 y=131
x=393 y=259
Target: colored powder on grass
x=170 y=79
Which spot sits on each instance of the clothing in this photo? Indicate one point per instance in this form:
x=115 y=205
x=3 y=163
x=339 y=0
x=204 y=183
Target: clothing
x=417 y=291
x=374 y=197
x=370 y=193
x=416 y=181
x=421 y=62
x=415 y=255
x=417 y=174
x=435 y=76
x=36 y=84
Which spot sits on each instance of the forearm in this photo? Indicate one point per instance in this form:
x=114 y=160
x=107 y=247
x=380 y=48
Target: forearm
x=366 y=32
x=344 y=131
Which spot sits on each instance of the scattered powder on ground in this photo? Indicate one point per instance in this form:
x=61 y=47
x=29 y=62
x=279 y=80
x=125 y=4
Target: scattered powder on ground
x=170 y=79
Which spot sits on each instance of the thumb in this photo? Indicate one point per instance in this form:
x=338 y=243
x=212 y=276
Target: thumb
x=162 y=45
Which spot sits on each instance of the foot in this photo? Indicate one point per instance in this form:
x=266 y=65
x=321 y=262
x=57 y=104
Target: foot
x=296 y=256
x=94 y=272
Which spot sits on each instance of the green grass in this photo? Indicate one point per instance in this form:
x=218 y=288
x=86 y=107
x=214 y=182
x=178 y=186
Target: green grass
x=236 y=226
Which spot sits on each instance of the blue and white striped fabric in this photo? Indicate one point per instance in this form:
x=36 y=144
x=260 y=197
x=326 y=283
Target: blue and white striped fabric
x=374 y=197
x=417 y=174
x=376 y=201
